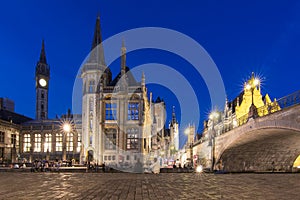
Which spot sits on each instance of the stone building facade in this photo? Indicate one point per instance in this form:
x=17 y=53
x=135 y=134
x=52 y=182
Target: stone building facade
x=116 y=113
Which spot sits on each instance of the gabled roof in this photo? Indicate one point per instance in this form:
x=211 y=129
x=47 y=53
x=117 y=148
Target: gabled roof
x=129 y=77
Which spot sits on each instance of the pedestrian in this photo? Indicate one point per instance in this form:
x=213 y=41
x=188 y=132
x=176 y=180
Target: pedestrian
x=103 y=167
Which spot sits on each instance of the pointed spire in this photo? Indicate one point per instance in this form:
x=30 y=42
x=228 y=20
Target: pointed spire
x=97 y=52
x=43 y=54
x=97 y=33
x=143 y=79
x=123 y=58
x=173 y=115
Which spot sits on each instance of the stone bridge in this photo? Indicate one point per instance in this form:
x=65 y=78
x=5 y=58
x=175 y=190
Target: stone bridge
x=267 y=143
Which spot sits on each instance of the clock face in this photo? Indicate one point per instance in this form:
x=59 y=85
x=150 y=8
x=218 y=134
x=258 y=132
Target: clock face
x=42 y=82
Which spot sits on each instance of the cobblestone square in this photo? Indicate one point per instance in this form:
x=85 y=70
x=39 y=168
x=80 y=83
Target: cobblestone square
x=148 y=186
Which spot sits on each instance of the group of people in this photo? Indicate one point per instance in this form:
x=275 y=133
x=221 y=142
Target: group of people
x=45 y=166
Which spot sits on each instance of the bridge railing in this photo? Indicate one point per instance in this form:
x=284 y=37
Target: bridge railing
x=280 y=104
x=289 y=100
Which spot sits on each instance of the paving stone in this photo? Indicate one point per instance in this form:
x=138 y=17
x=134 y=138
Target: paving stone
x=145 y=186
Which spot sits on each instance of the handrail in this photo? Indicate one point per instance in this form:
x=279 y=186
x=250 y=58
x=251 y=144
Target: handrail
x=289 y=100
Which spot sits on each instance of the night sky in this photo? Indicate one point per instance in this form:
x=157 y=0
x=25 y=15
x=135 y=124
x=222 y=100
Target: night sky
x=240 y=36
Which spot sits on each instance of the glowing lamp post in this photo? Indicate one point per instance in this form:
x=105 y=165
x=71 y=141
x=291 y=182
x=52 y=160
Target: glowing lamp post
x=66 y=127
x=251 y=85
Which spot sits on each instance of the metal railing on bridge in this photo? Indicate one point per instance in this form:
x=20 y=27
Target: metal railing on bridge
x=289 y=100
x=277 y=105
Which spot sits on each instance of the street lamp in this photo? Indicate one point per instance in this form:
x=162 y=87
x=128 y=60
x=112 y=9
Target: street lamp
x=67 y=128
x=213 y=117
x=251 y=85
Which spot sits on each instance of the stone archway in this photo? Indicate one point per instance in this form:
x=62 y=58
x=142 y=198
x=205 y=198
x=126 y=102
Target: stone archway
x=263 y=150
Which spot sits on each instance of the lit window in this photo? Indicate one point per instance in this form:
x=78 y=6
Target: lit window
x=59 y=142
x=48 y=142
x=133 y=111
x=27 y=143
x=110 y=111
x=2 y=136
x=79 y=142
x=132 y=138
x=69 y=141
x=110 y=139
x=37 y=142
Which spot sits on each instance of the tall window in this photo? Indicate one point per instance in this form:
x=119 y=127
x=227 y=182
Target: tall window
x=78 y=142
x=132 y=138
x=59 y=142
x=37 y=142
x=69 y=141
x=91 y=86
x=110 y=111
x=48 y=142
x=2 y=136
x=13 y=139
x=27 y=143
x=110 y=139
x=133 y=111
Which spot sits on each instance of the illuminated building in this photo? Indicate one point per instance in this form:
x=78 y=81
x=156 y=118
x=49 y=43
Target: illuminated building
x=116 y=113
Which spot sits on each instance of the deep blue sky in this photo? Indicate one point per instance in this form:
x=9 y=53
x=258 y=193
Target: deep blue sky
x=240 y=36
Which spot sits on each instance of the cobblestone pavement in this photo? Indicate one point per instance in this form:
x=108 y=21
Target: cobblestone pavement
x=148 y=186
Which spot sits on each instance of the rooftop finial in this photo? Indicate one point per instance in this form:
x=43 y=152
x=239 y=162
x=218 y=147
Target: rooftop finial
x=43 y=54
x=173 y=115
x=123 y=58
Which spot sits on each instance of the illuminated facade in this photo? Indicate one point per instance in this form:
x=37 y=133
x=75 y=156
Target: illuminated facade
x=10 y=128
x=43 y=138
x=249 y=104
x=116 y=126
x=116 y=113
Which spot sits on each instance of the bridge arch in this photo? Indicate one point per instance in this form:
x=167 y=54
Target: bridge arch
x=267 y=148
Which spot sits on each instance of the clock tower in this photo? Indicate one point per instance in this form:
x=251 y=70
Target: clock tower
x=42 y=76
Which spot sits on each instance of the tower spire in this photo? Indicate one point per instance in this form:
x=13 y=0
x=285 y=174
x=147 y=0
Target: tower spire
x=173 y=115
x=97 y=54
x=43 y=54
x=97 y=39
x=123 y=58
